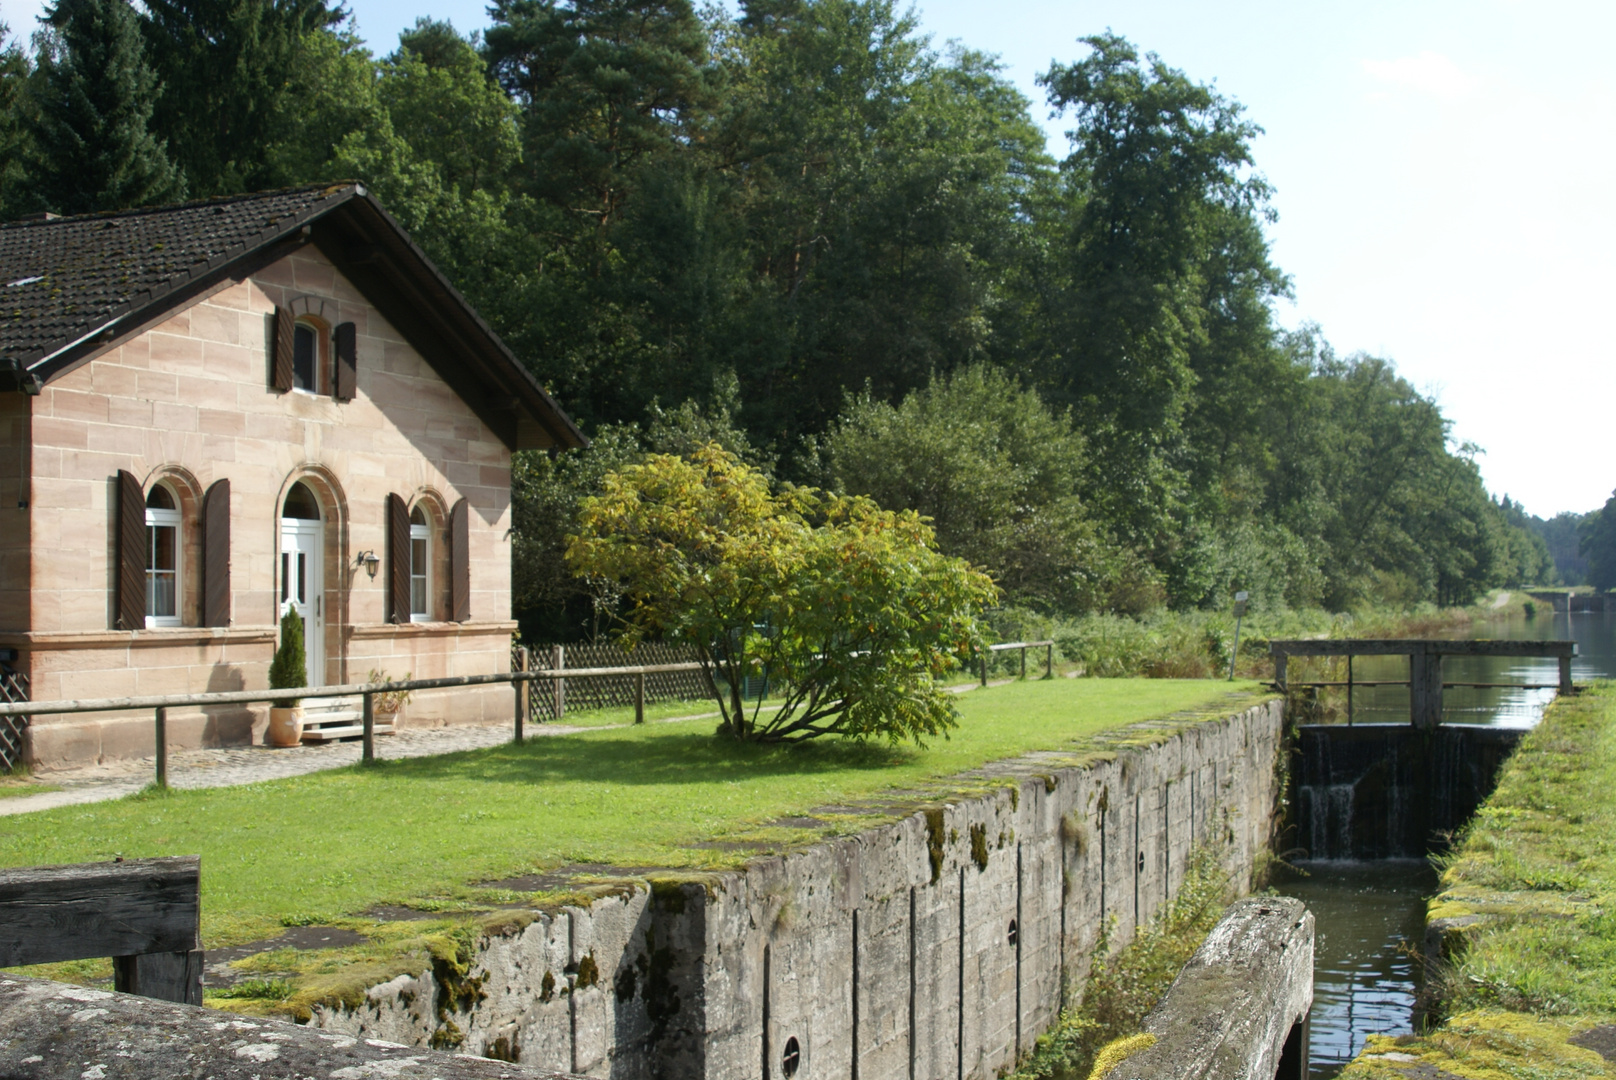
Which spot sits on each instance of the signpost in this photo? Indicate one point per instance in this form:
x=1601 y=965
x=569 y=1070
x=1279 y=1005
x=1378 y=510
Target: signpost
x=1240 y=599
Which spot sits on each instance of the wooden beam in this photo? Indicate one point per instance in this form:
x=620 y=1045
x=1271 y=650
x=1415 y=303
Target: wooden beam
x=49 y=914
x=1238 y=1002
x=171 y=976
x=1412 y=646
x=1425 y=689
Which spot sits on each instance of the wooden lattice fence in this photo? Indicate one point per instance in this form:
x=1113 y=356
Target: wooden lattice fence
x=610 y=691
x=13 y=689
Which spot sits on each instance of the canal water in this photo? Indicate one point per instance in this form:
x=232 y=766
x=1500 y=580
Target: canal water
x=1370 y=915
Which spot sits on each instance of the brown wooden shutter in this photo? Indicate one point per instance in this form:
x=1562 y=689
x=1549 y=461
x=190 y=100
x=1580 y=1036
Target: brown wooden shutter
x=131 y=581
x=347 y=361
x=398 y=560
x=216 y=555
x=281 y=362
x=460 y=562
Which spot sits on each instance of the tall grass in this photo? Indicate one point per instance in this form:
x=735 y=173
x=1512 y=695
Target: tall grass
x=1122 y=989
x=1197 y=644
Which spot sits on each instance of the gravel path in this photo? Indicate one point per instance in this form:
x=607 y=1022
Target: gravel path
x=228 y=766
x=231 y=766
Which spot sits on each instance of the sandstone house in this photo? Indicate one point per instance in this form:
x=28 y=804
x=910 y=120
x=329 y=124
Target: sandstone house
x=213 y=411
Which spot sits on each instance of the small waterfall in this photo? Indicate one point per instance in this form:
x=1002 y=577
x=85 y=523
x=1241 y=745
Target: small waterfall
x=1379 y=791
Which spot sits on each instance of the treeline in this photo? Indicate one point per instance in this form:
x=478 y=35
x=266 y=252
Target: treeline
x=812 y=234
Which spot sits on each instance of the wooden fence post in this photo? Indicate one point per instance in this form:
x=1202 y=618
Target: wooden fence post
x=144 y=913
x=1023 y=661
x=1049 y=660
x=160 y=724
x=519 y=691
x=985 y=654
x=368 y=755
x=1349 y=689
x=639 y=697
x=175 y=976
x=558 y=687
x=1425 y=688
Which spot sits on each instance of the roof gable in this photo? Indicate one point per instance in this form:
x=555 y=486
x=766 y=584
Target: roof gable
x=71 y=288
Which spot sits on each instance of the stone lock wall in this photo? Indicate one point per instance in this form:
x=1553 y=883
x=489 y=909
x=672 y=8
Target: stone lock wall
x=938 y=946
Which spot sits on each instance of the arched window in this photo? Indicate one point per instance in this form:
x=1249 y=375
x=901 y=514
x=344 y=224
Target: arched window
x=420 y=567
x=301 y=503
x=162 y=558
x=307 y=364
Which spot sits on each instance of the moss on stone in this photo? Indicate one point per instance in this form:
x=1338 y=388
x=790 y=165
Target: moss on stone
x=588 y=971
x=1486 y=1044
x=979 y=846
x=934 y=841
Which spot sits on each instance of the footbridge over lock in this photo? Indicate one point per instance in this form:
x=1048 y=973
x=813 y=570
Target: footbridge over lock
x=1375 y=791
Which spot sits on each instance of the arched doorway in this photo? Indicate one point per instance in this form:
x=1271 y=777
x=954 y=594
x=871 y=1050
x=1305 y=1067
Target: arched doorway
x=303 y=573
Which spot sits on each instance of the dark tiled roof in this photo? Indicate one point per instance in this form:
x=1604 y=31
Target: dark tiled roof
x=63 y=279
x=69 y=287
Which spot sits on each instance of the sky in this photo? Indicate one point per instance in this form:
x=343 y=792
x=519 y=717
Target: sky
x=1441 y=172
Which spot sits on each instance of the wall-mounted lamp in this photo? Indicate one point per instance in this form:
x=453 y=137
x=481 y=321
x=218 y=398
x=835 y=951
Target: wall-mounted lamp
x=370 y=562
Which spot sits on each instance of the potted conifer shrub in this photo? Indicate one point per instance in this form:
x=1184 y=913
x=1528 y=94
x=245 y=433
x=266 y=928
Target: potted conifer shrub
x=288 y=671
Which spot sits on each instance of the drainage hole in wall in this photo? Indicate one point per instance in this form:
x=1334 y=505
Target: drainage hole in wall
x=793 y=1057
x=1141 y=862
x=1014 y=933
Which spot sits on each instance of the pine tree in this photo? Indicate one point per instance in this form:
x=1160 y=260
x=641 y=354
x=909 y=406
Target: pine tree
x=14 y=73
x=94 y=101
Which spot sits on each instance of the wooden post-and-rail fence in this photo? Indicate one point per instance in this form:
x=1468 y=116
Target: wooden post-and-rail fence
x=1047 y=646
x=159 y=704
x=1425 y=657
x=143 y=913
x=525 y=672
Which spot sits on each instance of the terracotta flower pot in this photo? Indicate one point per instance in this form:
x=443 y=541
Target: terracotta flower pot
x=285 y=726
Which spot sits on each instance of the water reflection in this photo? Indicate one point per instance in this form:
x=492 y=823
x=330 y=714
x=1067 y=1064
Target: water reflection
x=1369 y=918
x=1594 y=633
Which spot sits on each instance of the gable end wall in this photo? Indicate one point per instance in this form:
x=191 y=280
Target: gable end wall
x=190 y=399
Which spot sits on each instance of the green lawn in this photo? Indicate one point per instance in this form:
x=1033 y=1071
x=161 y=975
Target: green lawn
x=424 y=831
x=662 y=710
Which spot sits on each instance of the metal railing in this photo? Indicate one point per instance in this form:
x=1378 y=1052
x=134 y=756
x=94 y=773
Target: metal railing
x=13 y=690
x=607 y=693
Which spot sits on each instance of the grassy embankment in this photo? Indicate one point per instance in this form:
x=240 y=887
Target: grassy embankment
x=423 y=833
x=1534 y=877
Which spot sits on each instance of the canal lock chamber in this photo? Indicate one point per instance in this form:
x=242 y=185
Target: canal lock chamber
x=1369 y=804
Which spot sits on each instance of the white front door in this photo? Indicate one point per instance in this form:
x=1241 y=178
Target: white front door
x=303 y=587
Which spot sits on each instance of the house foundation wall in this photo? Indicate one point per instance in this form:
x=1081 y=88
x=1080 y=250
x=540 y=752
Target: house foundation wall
x=196 y=661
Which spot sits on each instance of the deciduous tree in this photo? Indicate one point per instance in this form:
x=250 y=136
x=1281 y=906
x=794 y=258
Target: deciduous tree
x=846 y=609
x=997 y=473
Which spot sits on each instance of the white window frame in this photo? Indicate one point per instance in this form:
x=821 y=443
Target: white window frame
x=319 y=356
x=159 y=519
x=423 y=533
